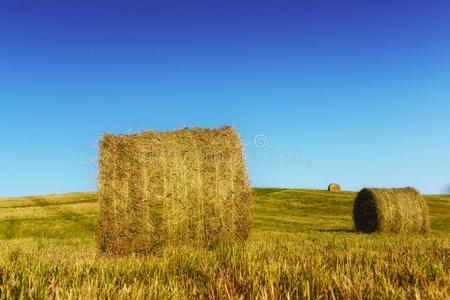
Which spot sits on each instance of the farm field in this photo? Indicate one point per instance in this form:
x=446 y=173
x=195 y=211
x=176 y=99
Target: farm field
x=302 y=245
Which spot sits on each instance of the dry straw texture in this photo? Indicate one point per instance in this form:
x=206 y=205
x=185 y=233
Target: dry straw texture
x=390 y=210
x=186 y=187
x=334 y=187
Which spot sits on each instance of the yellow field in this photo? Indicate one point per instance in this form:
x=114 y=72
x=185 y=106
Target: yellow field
x=302 y=246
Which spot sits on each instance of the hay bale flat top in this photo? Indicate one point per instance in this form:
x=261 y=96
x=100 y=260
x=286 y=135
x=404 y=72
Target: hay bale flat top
x=175 y=187
x=390 y=210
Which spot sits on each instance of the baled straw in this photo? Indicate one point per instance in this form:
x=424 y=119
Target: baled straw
x=186 y=187
x=390 y=210
x=334 y=187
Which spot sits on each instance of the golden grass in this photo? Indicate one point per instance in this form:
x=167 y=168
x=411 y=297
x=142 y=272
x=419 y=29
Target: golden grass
x=301 y=246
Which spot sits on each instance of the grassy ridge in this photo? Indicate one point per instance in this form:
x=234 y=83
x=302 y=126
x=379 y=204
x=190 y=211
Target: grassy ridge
x=302 y=246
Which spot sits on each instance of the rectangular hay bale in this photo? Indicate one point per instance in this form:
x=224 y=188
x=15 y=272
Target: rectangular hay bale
x=186 y=187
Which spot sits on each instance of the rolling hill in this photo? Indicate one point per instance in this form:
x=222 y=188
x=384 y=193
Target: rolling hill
x=303 y=245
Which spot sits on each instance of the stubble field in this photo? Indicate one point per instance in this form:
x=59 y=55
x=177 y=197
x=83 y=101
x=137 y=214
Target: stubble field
x=302 y=245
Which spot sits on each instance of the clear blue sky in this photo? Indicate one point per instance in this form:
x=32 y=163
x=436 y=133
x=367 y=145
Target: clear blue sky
x=356 y=92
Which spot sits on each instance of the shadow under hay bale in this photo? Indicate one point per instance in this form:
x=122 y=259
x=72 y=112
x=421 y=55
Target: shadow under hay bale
x=390 y=210
x=334 y=187
x=186 y=187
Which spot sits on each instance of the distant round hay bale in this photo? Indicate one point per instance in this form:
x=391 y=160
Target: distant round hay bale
x=390 y=210
x=334 y=187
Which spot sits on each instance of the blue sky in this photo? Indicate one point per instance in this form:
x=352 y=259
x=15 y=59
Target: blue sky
x=356 y=92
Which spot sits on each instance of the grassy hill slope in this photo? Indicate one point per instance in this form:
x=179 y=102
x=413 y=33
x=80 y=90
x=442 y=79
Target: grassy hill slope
x=302 y=245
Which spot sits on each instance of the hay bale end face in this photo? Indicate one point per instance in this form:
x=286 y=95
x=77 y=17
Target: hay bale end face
x=334 y=187
x=186 y=187
x=390 y=210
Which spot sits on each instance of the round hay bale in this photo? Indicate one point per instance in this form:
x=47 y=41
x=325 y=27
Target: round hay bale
x=334 y=187
x=175 y=188
x=390 y=210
